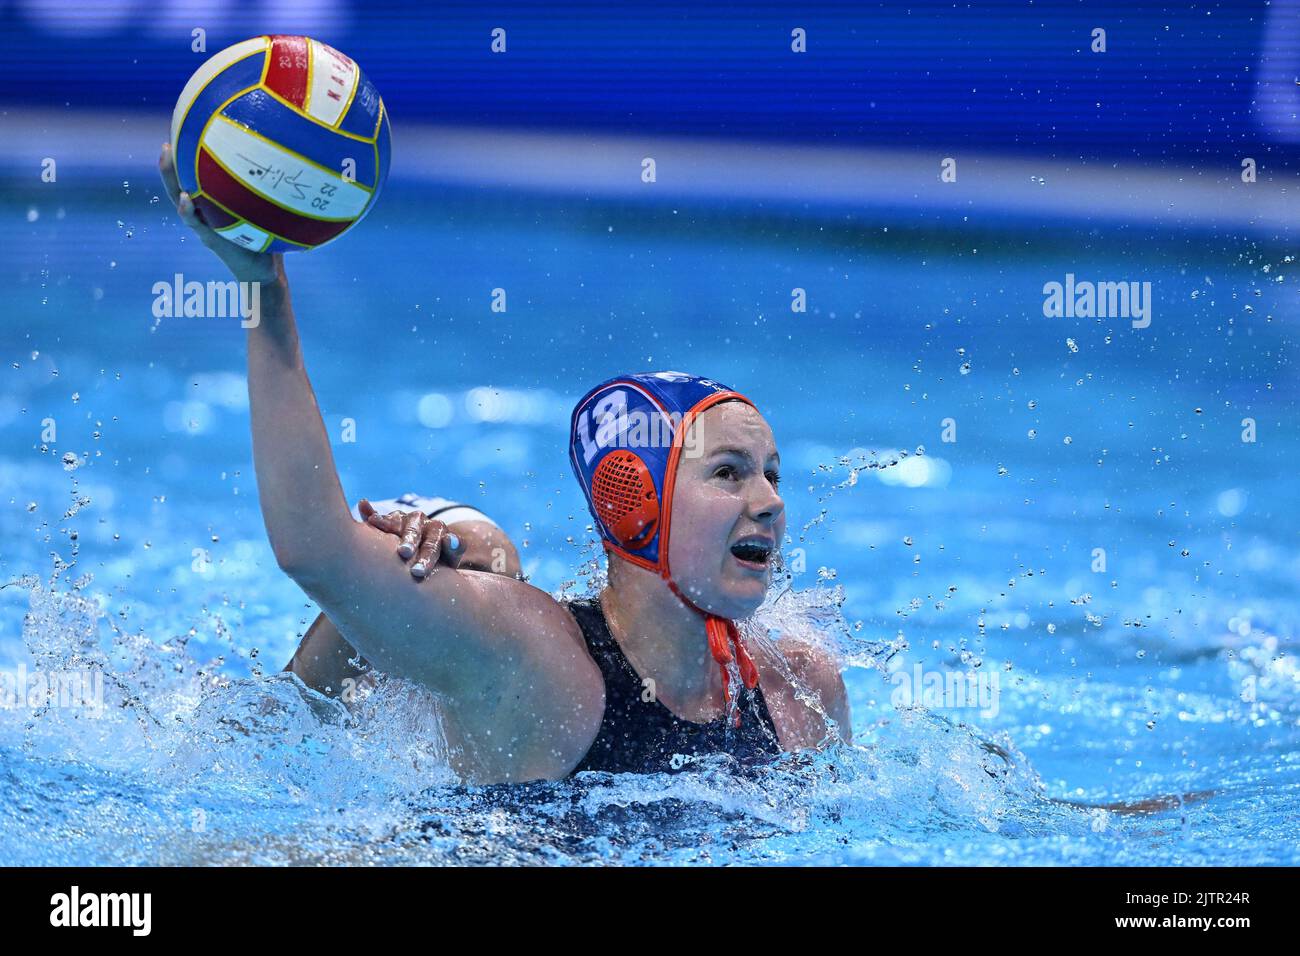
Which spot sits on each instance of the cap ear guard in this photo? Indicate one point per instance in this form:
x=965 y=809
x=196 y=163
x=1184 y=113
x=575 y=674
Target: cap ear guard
x=623 y=492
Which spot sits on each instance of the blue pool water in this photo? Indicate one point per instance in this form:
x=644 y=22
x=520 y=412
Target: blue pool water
x=133 y=549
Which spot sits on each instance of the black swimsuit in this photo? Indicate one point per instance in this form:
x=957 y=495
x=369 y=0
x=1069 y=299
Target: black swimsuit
x=644 y=736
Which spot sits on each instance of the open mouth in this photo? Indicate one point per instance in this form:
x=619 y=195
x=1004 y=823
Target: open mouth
x=753 y=552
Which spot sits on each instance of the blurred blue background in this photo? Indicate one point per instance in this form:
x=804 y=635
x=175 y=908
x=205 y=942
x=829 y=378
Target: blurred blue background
x=1198 y=80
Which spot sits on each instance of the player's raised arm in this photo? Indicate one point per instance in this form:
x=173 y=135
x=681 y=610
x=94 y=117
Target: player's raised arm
x=523 y=697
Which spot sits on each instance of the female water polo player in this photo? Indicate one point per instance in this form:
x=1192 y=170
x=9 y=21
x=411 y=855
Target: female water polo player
x=681 y=476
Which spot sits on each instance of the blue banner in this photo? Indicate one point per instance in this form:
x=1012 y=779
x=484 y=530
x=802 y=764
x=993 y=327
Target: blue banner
x=1132 y=80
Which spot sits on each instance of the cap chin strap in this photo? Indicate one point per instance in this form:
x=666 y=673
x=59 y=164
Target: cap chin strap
x=725 y=645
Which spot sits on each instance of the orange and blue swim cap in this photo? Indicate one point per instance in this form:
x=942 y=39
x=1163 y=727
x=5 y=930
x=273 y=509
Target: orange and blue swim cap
x=625 y=440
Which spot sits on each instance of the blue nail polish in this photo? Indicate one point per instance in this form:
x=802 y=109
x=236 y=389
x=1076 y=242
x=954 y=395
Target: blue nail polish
x=453 y=542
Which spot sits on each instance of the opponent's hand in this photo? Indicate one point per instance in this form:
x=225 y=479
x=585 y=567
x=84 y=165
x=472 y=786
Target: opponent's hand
x=247 y=266
x=422 y=542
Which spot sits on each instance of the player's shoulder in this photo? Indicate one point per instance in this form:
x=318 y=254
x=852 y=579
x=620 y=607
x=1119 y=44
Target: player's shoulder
x=814 y=665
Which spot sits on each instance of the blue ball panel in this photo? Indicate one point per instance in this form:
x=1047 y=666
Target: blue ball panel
x=384 y=146
x=279 y=245
x=285 y=126
x=238 y=76
x=363 y=112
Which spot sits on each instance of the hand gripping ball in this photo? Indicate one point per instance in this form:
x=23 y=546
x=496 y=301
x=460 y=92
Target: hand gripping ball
x=282 y=143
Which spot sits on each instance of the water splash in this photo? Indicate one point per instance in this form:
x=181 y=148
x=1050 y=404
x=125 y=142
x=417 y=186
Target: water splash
x=187 y=763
